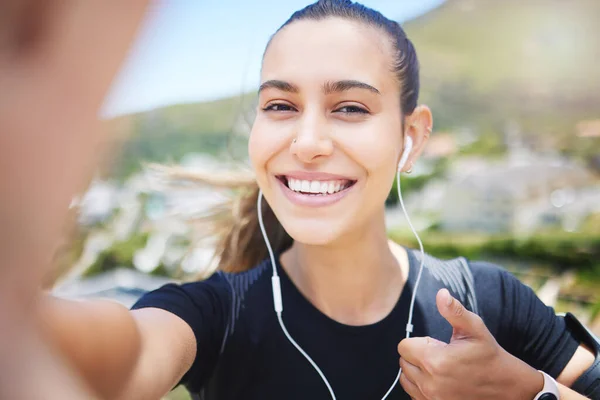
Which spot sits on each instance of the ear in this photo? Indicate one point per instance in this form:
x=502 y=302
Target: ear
x=419 y=126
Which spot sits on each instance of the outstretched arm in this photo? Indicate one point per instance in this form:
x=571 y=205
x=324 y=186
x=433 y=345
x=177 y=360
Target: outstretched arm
x=117 y=351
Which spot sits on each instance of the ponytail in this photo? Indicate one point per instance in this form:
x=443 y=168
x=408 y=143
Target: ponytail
x=232 y=225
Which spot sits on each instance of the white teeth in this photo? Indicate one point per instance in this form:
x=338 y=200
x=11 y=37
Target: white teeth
x=305 y=187
x=316 y=187
x=330 y=187
x=324 y=186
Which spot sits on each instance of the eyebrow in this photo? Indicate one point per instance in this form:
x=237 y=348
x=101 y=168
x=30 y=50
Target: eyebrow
x=277 y=84
x=328 y=87
x=342 y=86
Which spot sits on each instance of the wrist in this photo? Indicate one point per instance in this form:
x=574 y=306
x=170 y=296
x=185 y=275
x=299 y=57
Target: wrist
x=525 y=381
x=533 y=384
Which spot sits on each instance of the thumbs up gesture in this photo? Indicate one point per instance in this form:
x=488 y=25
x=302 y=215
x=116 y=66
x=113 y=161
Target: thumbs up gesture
x=472 y=366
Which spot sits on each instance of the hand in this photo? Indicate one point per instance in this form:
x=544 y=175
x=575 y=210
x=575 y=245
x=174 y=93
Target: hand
x=471 y=366
x=58 y=60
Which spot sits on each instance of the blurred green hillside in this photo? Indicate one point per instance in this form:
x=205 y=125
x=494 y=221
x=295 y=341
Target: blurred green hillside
x=486 y=64
x=167 y=134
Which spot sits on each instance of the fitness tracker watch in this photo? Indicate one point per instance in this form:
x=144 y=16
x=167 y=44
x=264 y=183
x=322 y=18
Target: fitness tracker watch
x=550 y=389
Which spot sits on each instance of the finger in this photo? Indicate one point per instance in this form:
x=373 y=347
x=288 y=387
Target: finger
x=464 y=322
x=410 y=388
x=415 y=350
x=412 y=372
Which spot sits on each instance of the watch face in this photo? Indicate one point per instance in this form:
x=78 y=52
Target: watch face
x=548 y=396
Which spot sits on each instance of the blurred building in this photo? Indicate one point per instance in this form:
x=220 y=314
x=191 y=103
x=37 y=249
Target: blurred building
x=520 y=196
x=98 y=203
x=122 y=285
x=147 y=204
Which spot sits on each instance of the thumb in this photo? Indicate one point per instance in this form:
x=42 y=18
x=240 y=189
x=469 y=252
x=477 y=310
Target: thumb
x=465 y=323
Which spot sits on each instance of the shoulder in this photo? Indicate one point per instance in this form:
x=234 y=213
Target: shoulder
x=218 y=292
x=489 y=273
x=506 y=304
x=482 y=286
x=240 y=283
x=493 y=278
x=455 y=274
x=520 y=321
x=483 y=268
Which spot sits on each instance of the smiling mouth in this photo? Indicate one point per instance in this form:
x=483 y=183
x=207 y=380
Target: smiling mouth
x=316 y=187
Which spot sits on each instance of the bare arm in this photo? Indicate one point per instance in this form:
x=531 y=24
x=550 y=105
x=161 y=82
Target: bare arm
x=117 y=351
x=569 y=394
x=579 y=363
x=168 y=342
x=532 y=381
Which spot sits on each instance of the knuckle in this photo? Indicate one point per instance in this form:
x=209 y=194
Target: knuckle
x=402 y=379
x=437 y=366
x=459 y=309
x=478 y=322
x=429 y=366
x=404 y=383
x=400 y=347
x=429 y=390
x=479 y=325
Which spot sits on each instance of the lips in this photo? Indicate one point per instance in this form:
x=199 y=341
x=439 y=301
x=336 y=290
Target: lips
x=315 y=184
x=312 y=189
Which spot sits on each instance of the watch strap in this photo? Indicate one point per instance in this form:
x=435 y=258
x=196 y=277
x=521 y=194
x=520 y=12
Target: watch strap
x=550 y=389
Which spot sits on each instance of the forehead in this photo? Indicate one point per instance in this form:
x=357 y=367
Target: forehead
x=306 y=52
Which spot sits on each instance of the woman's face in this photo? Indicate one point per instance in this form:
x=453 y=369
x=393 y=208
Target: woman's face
x=327 y=138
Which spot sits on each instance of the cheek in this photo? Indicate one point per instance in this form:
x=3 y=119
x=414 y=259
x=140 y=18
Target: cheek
x=263 y=145
x=381 y=174
x=385 y=146
x=380 y=157
x=378 y=154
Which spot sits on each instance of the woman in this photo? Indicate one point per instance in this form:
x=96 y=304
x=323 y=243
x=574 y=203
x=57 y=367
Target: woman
x=337 y=105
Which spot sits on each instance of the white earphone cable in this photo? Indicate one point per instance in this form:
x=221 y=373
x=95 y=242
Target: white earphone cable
x=277 y=298
x=409 y=325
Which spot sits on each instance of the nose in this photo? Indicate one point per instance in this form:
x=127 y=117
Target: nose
x=312 y=141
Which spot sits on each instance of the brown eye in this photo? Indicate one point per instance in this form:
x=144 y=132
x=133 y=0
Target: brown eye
x=278 y=107
x=352 y=110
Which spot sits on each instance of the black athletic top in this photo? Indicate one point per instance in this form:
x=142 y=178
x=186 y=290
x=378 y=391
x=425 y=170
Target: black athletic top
x=242 y=352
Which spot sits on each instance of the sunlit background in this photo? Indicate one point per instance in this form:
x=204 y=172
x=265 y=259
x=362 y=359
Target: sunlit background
x=511 y=174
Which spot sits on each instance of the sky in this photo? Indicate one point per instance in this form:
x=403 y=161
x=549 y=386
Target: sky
x=198 y=50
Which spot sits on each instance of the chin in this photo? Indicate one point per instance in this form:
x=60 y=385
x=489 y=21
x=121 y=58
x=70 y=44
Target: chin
x=312 y=232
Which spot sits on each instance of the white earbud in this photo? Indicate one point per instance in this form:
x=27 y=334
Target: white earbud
x=408 y=144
